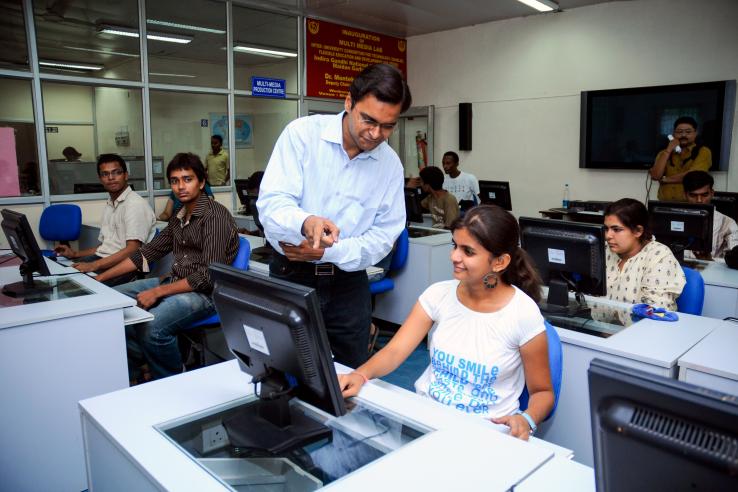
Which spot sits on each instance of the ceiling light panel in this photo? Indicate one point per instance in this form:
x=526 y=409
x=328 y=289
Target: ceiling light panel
x=541 y=5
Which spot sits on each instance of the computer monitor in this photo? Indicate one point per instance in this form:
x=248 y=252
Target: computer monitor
x=651 y=432
x=568 y=255
x=23 y=243
x=681 y=226
x=495 y=193
x=726 y=202
x=275 y=330
x=413 y=209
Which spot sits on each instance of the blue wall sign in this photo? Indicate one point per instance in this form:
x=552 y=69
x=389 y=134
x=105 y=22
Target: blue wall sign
x=266 y=87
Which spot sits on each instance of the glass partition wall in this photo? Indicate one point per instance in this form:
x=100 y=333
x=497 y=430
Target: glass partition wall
x=77 y=79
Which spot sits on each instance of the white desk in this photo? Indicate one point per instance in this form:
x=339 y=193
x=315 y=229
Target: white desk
x=125 y=452
x=53 y=354
x=559 y=475
x=427 y=263
x=713 y=362
x=721 y=289
x=652 y=346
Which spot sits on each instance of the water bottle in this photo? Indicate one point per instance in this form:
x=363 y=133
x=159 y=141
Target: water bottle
x=567 y=197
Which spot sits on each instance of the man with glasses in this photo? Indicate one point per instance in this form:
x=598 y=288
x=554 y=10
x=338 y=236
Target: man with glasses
x=332 y=203
x=671 y=164
x=127 y=223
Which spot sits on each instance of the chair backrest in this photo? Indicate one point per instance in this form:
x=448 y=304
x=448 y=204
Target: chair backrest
x=693 y=295
x=556 y=366
x=399 y=257
x=62 y=222
x=242 y=257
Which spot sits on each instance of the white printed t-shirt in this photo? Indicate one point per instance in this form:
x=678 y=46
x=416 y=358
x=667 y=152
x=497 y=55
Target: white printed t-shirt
x=475 y=357
x=464 y=186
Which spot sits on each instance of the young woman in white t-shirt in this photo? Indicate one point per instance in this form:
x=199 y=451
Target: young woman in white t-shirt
x=489 y=338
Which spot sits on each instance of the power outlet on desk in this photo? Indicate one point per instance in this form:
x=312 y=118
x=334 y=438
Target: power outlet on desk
x=212 y=438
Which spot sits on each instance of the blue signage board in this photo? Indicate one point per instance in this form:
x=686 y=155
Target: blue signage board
x=266 y=87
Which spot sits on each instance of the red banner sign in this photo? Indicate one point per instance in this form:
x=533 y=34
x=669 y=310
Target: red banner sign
x=335 y=54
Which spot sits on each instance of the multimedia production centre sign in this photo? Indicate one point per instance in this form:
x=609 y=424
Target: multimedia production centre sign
x=336 y=54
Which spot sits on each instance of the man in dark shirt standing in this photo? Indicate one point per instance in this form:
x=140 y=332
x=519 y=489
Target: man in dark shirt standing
x=202 y=232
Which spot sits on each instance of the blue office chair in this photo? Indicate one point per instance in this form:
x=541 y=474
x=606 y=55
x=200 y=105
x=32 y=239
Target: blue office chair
x=556 y=366
x=62 y=223
x=195 y=334
x=399 y=258
x=386 y=284
x=693 y=295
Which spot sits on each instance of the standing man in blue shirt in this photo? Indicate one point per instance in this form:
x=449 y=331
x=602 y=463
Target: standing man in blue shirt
x=332 y=203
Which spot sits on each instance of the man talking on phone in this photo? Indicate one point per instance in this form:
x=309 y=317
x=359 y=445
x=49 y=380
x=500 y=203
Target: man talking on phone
x=332 y=203
x=681 y=156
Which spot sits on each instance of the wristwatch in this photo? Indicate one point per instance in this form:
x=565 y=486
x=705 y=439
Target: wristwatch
x=531 y=422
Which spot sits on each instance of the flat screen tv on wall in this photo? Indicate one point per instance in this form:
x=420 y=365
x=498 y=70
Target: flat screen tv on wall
x=626 y=128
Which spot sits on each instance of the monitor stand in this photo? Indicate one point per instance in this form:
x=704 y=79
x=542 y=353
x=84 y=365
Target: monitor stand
x=273 y=425
x=678 y=252
x=558 y=301
x=26 y=287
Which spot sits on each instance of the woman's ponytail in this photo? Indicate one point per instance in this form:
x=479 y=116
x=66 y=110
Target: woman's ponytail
x=523 y=274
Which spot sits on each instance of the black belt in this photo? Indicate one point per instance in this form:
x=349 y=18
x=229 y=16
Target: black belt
x=308 y=268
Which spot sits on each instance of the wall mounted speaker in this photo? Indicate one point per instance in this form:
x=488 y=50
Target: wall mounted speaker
x=465 y=126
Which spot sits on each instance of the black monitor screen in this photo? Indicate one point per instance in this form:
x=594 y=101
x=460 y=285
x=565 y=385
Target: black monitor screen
x=568 y=255
x=275 y=329
x=495 y=193
x=626 y=128
x=23 y=243
x=656 y=433
x=413 y=210
x=726 y=203
x=682 y=225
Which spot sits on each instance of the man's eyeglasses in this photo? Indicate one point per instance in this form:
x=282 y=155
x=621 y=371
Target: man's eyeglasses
x=683 y=132
x=387 y=127
x=114 y=173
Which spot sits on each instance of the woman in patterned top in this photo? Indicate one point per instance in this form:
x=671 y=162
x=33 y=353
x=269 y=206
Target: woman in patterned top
x=639 y=269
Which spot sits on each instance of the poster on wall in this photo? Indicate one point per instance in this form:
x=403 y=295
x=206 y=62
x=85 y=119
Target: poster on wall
x=9 y=184
x=244 y=129
x=335 y=54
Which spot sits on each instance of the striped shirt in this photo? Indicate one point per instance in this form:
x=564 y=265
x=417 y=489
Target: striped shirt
x=209 y=236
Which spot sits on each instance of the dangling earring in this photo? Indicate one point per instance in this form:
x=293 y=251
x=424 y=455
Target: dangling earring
x=487 y=283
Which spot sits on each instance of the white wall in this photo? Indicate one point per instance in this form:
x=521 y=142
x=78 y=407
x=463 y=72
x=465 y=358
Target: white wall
x=524 y=78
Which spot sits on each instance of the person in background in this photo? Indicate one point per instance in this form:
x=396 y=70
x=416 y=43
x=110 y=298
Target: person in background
x=442 y=205
x=671 y=166
x=216 y=162
x=173 y=204
x=639 y=269
x=253 y=184
x=332 y=203
x=127 y=223
x=698 y=189
x=463 y=186
x=487 y=317
x=71 y=154
x=202 y=232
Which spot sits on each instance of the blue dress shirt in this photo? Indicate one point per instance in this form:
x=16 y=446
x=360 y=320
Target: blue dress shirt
x=310 y=173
